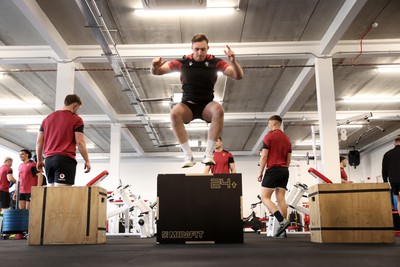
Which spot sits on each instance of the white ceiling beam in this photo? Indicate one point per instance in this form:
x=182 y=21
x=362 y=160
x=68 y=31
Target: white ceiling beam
x=39 y=54
x=127 y=134
x=35 y=15
x=244 y=51
x=339 y=25
x=306 y=116
x=90 y=86
x=253 y=51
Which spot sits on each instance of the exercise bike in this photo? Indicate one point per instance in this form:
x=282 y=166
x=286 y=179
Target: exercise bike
x=254 y=222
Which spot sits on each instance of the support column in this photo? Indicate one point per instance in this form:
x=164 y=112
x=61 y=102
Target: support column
x=330 y=165
x=115 y=154
x=65 y=82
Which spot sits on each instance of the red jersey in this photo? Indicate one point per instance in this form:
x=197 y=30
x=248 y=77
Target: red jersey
x=343 y=174
x=279 y=146
x=27 y=176
x=59 y=133
x=222 y=160
x=4 y=183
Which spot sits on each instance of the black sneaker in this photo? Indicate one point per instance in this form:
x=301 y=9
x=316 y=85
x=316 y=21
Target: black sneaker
x=282 y=227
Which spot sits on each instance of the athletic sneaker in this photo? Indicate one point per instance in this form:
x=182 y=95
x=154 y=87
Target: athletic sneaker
x=282 y=227
x=188 y=162
x=208 y=160
x=283 y=235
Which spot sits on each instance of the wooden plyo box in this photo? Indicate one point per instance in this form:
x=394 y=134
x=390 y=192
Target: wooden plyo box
x=199 y=209
x=351 y=213
x=67 y=215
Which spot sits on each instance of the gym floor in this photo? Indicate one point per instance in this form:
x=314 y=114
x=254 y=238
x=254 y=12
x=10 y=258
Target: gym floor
x=257 y=250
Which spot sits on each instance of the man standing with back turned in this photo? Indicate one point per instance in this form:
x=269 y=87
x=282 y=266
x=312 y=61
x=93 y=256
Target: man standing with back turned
x=391 y=169
x=275 y=155
x=58 y=137
x=198 y=77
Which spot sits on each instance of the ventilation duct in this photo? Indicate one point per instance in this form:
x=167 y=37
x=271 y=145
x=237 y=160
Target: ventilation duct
x=174 y=4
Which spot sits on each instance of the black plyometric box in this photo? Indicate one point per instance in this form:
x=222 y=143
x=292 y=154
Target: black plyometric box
x=199 y=208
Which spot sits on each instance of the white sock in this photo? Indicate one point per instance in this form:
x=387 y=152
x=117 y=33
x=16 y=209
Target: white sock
x=210 y=147
x=186 y=149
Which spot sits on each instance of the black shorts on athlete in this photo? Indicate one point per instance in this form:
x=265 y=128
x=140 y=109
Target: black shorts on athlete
x=60 y=169
x=4 y=200
x=25 y=197
x=276 y=177
x=197 y=109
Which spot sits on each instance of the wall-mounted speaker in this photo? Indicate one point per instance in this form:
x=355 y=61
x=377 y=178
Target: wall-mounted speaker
x=354 y=158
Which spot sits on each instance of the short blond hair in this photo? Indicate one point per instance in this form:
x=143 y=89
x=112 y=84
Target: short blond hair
x=7 y=159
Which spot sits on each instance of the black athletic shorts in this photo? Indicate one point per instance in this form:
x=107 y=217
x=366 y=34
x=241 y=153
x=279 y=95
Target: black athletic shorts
x=4 y=199
x=25 y=197
x=60 y=169
x=197 y=109
x=276 y=177
x=395 y=188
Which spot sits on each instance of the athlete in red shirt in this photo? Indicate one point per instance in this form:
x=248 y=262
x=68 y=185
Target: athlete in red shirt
x=28 y=177
x=198 y=76
x=343 y=174
x=58 y=137
x=275 y=160
x=224 y=162
x=6 y=177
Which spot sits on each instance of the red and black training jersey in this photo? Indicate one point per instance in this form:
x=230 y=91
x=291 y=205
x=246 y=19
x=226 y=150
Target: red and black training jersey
x=4 y=183
x=27 y=176
x=198 y=78
x=279 y=146
x=222 y=160
x=59 y=133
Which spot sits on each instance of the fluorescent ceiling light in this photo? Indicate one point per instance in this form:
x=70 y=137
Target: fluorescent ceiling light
x=4 y=104
x=389 y=69
x=93 y=157
x=306 y=143
x=177 y=97
x=32 y=128
x=196 y=128
x=374 y=100
x=3 y=75
x=196 y=143
x=90 y=146
x=173 y=74
x=184 y=12
x=350 y=126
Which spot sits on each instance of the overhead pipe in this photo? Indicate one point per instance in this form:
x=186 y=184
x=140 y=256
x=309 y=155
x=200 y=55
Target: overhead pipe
x=104 y=37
